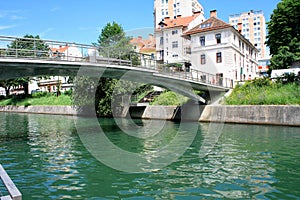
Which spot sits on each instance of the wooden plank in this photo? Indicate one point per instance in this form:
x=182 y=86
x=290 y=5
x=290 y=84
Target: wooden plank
x=5 y=198
x=10 y=186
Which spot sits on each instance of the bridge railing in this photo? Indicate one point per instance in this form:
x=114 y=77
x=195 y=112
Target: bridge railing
x=32 y=48
x=196 y=75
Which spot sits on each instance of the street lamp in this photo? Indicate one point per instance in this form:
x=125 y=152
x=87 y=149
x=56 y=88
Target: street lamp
x=162 y=25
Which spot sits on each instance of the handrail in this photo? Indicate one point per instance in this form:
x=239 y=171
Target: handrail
x=14 y=193
x=74 y=52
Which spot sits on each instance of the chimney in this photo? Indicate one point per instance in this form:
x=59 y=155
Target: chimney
x=213 y=13
x=239 y=27
x=150 y=36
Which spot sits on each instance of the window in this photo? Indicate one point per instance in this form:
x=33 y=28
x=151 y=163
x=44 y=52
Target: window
x=203 y=61
x=161 y=41
x=219 y=57
x=174 y=32
x=175 y=44
x=218 y=38
x=202 y=40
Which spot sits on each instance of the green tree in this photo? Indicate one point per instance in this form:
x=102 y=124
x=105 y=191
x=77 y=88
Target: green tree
x=284 y=34
x=28 y=46
x=8 y=84
x=114 y=44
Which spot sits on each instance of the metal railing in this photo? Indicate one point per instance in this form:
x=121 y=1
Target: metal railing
x=31 y=48
x=12 y=190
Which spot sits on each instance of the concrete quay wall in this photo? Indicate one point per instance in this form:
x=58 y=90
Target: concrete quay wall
x=250 y=114
x=265 y=114
x=53 y=110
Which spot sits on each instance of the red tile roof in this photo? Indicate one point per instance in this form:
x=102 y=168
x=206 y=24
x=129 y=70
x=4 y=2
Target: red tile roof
x=212 y=23
x=178 y=21
x=60 y=49
x=145 y=45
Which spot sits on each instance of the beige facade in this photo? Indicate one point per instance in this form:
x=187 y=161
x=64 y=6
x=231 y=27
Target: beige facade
x=252 y=26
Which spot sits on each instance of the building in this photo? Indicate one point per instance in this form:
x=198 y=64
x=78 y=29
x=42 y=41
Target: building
x=174 y=8
x=252 y=25
x=219 y=49
x=171 y=47
x=146 y=46
x=53 y=83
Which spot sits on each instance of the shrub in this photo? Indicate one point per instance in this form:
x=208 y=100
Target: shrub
x=40 y=94
x=68 y=92
x=170 y=98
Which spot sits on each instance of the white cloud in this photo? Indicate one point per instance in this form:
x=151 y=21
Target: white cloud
x=44 y=33
x=11 y=14
x=16 y=17
x=7 y=27
x=54 y=9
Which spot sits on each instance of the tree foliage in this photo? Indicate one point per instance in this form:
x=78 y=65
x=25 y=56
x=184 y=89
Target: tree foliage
x=28 y=46
x=106 y=93
x=284 y=34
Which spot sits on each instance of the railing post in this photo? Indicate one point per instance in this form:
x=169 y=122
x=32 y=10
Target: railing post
x=16 y=48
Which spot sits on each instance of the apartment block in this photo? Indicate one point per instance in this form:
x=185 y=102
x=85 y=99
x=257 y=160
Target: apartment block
x=252 y=26
x=174 y=8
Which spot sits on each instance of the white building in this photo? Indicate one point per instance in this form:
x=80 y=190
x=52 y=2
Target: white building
x=252 y=26
x=171 y=47
x=174 y=8
x=52 y=83
x=219 y=49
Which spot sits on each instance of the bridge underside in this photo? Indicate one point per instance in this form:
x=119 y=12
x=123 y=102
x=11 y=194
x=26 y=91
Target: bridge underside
x=15 y=68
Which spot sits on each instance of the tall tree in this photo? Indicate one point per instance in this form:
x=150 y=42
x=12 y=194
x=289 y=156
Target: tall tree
x=114 y=44
x=284 y=34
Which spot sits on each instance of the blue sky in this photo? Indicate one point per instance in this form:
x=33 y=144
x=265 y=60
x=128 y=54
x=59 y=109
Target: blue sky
x=82 y=21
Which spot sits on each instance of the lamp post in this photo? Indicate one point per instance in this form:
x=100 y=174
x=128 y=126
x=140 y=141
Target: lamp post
x=162 y=25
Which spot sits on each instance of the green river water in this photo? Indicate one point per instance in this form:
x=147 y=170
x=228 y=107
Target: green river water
x=47 y=158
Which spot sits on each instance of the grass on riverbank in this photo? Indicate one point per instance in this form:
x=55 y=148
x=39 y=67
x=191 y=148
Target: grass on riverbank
x=49 y=99
x=170 y=98
x=264 y=92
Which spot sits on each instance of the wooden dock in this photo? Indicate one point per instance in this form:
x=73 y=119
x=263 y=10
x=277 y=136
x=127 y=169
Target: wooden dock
x=14 y=193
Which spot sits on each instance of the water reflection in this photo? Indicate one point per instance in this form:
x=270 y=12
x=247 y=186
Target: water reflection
x=49 y=161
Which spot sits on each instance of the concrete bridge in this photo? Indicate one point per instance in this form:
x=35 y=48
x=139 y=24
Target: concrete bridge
x=81 y=59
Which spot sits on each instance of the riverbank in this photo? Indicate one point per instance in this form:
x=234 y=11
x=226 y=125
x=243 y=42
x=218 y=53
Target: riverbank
x=284 y=115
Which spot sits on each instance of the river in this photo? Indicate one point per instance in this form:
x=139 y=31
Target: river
x=54 y=157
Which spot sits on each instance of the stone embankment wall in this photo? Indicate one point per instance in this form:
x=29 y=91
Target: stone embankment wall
x=54 y=110
x=273 y=114
x=270 y=114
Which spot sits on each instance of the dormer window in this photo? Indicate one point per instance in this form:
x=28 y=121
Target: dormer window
x=205 y=25
x=218 y=38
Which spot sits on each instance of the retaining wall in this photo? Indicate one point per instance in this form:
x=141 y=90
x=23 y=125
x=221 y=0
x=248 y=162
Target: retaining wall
x=270 y=114
x=54 y=110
